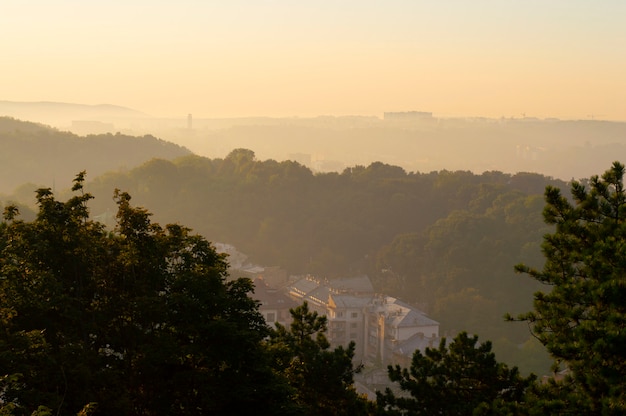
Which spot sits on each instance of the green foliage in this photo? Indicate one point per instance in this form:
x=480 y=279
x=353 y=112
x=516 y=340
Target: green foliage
x=555 y=396
x=138 y=320
x=320 y=380
x=581 y=318
x=460 y=267
x=460 y=379
x=281 y=213
x=439 y=239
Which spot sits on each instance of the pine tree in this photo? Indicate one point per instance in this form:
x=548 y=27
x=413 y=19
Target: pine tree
x=460 y=379
x=581 y=318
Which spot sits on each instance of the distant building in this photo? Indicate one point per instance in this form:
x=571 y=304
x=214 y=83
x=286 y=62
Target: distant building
x=236 y=259
x=275 y=304
x=384 y=329
x=302 y=291
x=274 y=276
x=346 y=321
x=407 y=115
x=393 y=326
x=402 y=354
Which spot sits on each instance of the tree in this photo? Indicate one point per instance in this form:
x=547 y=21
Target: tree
x=320 y=379
x=581 y=320
x=461 y=379
x=139 y=320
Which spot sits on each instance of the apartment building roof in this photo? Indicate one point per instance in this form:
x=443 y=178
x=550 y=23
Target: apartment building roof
x=302 y=287
x=318 y=296
x=348 y=301
x=271 y=298
x=357 y=284
x=400 y=317
x=416 y=342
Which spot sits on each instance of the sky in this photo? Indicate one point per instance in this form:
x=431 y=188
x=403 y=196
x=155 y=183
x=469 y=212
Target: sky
x=285 y=58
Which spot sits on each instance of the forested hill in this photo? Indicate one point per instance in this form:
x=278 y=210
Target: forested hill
x=38 y=154
x=281 y=213
x=445 y=240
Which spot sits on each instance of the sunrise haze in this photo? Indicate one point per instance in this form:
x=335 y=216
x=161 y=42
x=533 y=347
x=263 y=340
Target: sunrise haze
x=561 y=58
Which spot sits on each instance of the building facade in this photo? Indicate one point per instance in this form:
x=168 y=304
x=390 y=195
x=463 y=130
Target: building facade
x=384 y=329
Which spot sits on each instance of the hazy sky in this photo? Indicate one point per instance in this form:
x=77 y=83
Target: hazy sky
x=222 y=58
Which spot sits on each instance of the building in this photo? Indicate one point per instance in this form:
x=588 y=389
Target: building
x=346 y=321
x=274 y=304
x=407 y=115
x=384 y=329
x=391 y=324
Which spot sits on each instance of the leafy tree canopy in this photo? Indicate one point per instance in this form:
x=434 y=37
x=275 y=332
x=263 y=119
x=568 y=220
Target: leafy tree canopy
x=138 y=320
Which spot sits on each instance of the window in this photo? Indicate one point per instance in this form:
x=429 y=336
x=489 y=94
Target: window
x=353 y=325
x=355 y=314
x=352 y=335
x=339 y=314
x=271 y=317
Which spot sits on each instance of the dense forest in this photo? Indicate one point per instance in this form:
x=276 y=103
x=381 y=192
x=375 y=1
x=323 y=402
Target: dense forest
x=446 y=241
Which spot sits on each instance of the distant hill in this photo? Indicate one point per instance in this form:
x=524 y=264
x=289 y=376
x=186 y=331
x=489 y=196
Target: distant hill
x=63 y=114
x=44 y=156
x=563 y=149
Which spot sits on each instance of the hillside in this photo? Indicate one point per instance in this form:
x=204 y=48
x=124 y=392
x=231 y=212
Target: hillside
x=446 y=241
x=44 y=156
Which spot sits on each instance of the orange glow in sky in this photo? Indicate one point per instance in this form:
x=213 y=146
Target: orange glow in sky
x=557 y=58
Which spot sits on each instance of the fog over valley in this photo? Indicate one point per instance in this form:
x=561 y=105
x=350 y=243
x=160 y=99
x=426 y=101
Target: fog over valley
x=417 y=141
